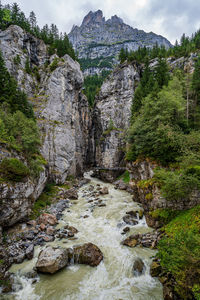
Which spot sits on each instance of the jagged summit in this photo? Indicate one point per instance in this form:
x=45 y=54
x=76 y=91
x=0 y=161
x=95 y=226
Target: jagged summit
x=93 y=17
x=98 y=18
x=98 y=39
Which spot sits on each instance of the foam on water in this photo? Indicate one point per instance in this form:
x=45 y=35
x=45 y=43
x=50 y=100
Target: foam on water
x=113 y=279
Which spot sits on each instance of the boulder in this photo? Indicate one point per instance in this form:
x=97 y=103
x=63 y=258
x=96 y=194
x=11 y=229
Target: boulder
x=71 y=229
x=50 y=230
x=30 y=251
x=47 y=219
x=104 y=190
x=71 y=194
x=128 y=219
x=51 y=260
x=126 y=229
x=131 y=241
x=132 y=213
x=88 y=254
x=138 y=267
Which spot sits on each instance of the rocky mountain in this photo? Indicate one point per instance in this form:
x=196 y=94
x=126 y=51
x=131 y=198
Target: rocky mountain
x=62 y=115
x=99 y=41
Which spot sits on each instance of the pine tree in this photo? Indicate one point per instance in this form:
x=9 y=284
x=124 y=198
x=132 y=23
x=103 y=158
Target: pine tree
x=32 y=20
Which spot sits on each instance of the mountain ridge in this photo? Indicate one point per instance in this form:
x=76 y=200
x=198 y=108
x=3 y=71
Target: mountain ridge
x=98 y=38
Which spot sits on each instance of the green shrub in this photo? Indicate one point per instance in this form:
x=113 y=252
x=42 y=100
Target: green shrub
x=54 y=64
x=179 y=251
x=13 y=169
x=164 y=215
x=125 y=176
x=44 y=200
x=17 y=60
x=27 y=66
x=177 y=184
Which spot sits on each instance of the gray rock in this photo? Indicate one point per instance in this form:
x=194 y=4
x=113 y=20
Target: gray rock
x=51 y=260
x=138 y=267
x=100 y=38
x=111 y=117
x=88 y=254
x=128 y=219
x=30 y=251
x=104 y=191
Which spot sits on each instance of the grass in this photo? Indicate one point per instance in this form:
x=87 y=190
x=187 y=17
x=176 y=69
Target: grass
x=44 y=200
x=179 y=252
x=125 y=177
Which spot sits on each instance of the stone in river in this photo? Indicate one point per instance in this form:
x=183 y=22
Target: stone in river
x=51 y=260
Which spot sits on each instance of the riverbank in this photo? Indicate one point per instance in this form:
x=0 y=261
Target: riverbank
x=99 y=219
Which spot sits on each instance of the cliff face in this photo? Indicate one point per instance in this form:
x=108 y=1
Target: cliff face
x=112 y=114
x=102 y=39
x=62 y=115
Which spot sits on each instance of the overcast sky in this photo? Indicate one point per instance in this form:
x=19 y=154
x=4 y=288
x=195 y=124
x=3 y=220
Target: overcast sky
x=170 y=18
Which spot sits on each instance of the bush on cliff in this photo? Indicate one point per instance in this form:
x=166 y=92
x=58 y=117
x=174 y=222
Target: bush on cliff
x=18 y=128
x=179 y=251
x=12 y=169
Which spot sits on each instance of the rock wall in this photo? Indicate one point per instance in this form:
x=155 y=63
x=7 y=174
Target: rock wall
x=150 y=196
x=62 y=115
x=64 y=120
x=111 y=117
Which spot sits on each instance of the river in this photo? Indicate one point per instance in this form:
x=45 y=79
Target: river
x=113 y=279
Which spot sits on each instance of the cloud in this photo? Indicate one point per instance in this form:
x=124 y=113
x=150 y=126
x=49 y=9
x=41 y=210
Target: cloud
x=169 y=18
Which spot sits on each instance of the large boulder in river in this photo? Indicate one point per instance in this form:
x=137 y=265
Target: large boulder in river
x=51 y=260
x=138 y=267
x=104 y=190
x=88 y=254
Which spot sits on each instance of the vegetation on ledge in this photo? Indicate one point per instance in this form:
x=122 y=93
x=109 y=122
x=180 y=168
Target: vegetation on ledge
x=18 y=130
x=179 y=252
x=57 y=42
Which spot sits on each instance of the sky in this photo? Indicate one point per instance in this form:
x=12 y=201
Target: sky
x=170 y=18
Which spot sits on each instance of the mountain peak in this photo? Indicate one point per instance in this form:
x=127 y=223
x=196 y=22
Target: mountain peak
x=93 y=17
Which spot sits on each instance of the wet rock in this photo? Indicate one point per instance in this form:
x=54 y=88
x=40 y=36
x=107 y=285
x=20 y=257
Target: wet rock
x=131 y=241
x=91 y=188
x=47 y=219
x=88 y=254
x=70 y=234
x=50 y=230
x=132 y=213
x=19 y=259
x=102 y=205
x=128 y=219
x=104 y=191
x=122 y=186
x=126 y=229
x=30 y=251
x=51 y=260
x=155 y=269
x=71 y=194
x=71 y=228
x=138 y=267
x=84 y=181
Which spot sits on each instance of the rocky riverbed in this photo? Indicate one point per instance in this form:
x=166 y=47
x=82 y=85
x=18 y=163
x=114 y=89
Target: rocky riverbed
x=82 y=236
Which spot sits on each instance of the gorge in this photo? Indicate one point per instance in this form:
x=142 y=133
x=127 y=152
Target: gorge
x=57 y=208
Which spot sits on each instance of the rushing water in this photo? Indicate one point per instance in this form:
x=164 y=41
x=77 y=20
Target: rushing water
x=113 y=279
